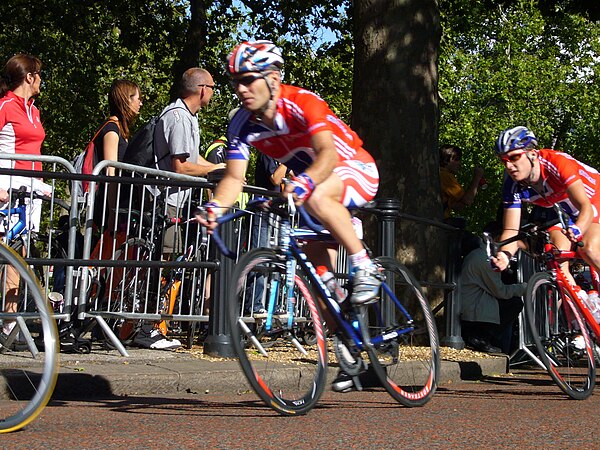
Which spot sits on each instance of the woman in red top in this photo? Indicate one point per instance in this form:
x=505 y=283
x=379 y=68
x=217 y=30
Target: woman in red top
x=21 y=133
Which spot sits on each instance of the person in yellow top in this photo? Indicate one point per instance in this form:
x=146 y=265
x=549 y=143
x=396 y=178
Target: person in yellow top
x=454 y=196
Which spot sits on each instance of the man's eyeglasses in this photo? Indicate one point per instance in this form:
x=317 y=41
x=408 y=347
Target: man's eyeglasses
x=212 y=86
x=513 y=158
x=245 y=81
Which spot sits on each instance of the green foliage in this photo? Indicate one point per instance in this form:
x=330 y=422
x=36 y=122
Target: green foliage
x=85 y=45
x=502 y=67
x=501 y=63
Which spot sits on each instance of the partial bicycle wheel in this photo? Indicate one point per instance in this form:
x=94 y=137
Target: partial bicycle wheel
x=401 y=337
x=29 y=376
x=560 y=336
x=127 y=287
x=288 y=374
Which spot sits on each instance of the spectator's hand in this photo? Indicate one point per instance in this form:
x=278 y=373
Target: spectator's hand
x=500 y=262
x=217 y=166
x=3 y=196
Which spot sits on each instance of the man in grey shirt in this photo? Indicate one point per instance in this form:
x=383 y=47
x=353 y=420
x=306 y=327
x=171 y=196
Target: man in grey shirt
x=177 y=141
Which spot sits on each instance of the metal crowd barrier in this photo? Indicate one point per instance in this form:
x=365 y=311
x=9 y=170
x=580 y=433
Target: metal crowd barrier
x=36 y=226
x=120 y=275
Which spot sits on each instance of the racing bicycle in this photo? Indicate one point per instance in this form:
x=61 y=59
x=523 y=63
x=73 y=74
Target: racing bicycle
x=284 y=353
x=562 y=327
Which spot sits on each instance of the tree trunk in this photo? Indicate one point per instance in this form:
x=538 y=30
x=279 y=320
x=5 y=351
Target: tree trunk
x=195 y=42
x=395 y=112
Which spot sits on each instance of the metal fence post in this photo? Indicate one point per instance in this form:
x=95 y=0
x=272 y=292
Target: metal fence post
x=453 y=338
x=387 y=210
x=218 y=341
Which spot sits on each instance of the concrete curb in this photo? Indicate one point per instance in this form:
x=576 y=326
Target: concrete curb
x=151 y=372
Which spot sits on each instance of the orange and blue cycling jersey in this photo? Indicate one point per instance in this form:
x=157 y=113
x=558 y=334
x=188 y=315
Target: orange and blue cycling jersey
x=300 y=115
x=558 y=170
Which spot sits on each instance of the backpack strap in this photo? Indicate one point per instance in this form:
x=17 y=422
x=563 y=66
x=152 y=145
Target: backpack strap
x=156 y=158
x=102 y=128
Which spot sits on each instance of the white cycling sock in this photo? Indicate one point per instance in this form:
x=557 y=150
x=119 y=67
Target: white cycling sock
x=360 y=260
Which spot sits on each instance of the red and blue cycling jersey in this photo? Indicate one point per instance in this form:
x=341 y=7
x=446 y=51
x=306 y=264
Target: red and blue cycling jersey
x=558 y=171
x=300 y=115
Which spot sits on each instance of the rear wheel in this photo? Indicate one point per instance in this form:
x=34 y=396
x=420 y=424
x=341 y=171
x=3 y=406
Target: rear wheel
x=127 y=288
x=401 y=337
x=287 y=373
x=28 y=376
x=560 y=336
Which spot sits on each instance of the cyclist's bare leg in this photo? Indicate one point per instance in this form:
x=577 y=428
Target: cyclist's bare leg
x=590 y=251
x=563 y=243
x=325 y=204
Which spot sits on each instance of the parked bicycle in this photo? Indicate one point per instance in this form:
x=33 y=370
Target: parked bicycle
x=288 y=371
x=563 y=329
x=28 y=380
x=146 y=290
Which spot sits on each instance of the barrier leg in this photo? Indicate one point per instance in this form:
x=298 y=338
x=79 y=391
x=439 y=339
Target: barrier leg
x=453 y=338
x=218 y=341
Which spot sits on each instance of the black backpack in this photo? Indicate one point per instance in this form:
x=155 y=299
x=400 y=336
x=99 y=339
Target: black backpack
x=140 y=150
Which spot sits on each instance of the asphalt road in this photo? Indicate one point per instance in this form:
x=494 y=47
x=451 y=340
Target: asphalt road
x=523 y=409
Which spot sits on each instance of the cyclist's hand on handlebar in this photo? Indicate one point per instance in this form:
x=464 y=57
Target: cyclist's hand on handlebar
x=300 y=187
x=208 y=214
x=573 y=232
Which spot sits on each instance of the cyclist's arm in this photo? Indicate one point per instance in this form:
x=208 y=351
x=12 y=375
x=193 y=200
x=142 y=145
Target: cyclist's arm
x=230 y=186
x=327 y=157
x=576 y=193
x=510 y=227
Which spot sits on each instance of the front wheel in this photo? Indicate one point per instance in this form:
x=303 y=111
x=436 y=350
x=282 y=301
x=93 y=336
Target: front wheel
x=287 y=372
x=401 y=337
x=560 y=336
x=27 y=381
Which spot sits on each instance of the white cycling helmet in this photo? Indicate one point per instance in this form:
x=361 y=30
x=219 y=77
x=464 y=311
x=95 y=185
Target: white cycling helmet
x=257 y=56
x=514 y=139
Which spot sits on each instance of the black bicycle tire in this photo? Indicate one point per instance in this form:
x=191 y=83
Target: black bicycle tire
x=281 y=405
x=115 y=324
x=418 y=395
x=47 y=381
x=564 y=383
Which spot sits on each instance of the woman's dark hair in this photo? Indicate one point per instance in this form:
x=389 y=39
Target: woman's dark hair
x=119 y=103
x=15 y=71
x=448 y=153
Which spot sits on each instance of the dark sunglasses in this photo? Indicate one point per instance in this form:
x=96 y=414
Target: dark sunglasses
x=512 y=158
x=245 y=81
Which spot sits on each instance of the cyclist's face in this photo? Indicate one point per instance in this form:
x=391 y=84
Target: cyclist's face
x=518 y=164
x=252 y=90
